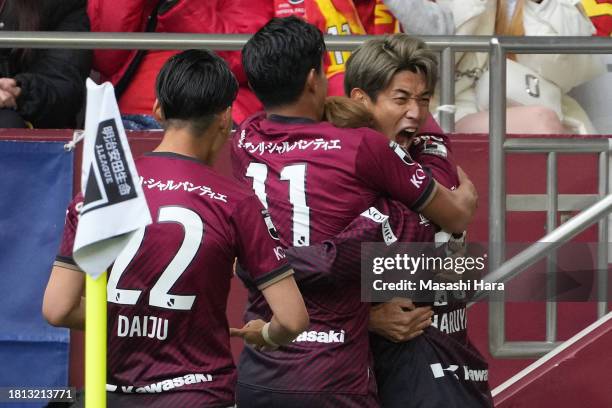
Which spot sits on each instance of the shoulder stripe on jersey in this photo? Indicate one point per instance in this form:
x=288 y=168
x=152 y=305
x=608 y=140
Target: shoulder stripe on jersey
x=273 y=276
x=426 y=196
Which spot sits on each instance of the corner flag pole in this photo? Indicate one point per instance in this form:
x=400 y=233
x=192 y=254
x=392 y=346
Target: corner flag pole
x=95 y=341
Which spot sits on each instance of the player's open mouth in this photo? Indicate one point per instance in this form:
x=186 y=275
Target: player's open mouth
x=405 y=136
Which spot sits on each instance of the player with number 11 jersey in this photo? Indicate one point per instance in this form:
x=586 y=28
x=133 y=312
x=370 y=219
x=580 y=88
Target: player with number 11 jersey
x=315 y=179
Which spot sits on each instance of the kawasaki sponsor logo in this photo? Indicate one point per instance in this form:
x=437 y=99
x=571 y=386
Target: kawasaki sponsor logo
x=331 y=336
x=161 y=386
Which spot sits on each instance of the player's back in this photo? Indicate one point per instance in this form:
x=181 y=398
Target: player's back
x=314 y=179
x=167 y=292
x=306 y=174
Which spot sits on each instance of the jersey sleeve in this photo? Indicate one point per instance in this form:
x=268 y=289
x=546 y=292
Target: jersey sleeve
x=337 y=260
x=64 y=255
x=386 y=167
x=259 y=251
x=434 y=151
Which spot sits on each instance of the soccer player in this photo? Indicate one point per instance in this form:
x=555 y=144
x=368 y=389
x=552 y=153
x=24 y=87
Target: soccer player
x=409 y=373
x=391 y=78
x=394 y=78
x=168 y=335
x=315 y=179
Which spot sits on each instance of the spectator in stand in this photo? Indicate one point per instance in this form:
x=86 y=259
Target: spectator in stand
x=425 y=17
x=594 y=96
x=42 y=88
x=133 y=73
x=553 y=111
x=600 y=13
x=360 y=17
x=340 y=17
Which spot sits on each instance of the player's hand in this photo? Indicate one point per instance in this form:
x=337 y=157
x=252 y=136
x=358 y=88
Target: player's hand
x=399 y=320
x=12 y=88
x=7 y=100
x=251 y=333
x=467 y=190
x=466 y=183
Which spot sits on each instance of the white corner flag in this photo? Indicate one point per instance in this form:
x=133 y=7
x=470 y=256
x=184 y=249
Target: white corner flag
x=113 y=201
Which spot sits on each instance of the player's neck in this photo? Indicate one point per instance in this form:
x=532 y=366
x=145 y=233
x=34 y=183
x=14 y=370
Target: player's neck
x=300 y=109
x=181 y=141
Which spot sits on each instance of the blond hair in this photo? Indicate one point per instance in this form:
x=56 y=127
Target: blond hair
x=344 y=112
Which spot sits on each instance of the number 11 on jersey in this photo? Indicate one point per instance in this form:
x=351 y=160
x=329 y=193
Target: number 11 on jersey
x=295 y=174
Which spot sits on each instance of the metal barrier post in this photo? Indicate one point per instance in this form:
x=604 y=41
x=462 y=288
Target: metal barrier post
x=602 y=250
x=497 y=185
x=551 y=223
x=447 y=88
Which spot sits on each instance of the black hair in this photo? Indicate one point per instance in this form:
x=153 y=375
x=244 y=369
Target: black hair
x=193 y=86
x=22 y=15
x=278 y=58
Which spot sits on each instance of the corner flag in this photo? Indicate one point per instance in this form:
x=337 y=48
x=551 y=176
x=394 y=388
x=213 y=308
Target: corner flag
x=113 y=200
x=113 y=207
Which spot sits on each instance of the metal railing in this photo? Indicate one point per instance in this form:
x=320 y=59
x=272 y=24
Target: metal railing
x=498 y=146
x=498 y=48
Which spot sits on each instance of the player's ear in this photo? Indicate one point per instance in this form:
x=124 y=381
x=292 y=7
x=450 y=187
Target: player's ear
x=226 y=119
x=311 y=81
x=158 y=114
x=221 y=126
x=360 y=96
x=223 y=123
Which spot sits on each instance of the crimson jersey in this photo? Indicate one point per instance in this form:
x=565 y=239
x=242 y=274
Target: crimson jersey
x=315 y=179
x=168 y=289
x=336 y=260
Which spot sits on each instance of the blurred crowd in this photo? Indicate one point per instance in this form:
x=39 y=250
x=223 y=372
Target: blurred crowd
x=546 y=94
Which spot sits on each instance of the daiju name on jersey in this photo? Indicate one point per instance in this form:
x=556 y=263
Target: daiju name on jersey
x=331 y=336
x=142 y=326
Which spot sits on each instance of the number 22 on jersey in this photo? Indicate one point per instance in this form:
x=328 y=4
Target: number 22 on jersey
x=159 y=295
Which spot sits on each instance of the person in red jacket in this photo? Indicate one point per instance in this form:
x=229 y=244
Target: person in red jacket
x=133 y=73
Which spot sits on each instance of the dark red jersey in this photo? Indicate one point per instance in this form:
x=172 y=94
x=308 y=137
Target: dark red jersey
x=336 y=260
x=315 y=179
x=434 y=151
x=168 y=289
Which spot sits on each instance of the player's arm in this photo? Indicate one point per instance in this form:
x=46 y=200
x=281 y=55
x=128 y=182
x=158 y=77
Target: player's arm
x=289 y=317
x=63 y=304
x=434 y=151
x=388 y=168
x=271 y=275
x=452 y=210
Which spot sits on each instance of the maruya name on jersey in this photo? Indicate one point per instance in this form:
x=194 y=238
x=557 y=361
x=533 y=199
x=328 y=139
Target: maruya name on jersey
x=450 y=322
x=162 y=386
x=331 y=336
